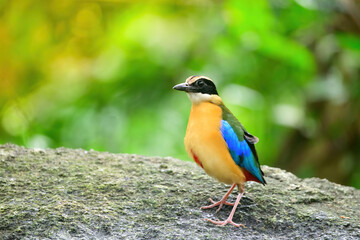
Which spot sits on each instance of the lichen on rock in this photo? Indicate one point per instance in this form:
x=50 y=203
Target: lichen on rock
x=66 y=193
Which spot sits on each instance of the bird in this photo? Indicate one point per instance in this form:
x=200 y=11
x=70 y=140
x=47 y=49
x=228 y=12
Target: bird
x=219 y=143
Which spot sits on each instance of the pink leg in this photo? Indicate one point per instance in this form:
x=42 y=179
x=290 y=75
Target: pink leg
x=229 y=219
x=222 y=201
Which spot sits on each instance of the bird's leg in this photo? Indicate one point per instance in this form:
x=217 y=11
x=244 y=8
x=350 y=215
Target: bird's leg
x=222 y=201
x=229 y=219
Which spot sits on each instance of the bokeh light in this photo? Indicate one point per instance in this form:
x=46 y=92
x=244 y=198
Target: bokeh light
x=99 y=74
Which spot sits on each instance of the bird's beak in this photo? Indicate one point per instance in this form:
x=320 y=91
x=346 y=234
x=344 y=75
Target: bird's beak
x=182 y=87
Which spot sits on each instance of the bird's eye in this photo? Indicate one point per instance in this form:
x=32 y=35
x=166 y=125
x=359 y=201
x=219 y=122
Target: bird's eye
x=200 y=83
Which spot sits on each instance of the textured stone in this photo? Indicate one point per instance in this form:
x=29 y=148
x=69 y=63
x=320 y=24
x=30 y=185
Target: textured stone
x=77 y=194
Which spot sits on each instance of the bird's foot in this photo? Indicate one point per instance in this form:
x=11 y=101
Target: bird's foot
x=223 y=223
x=214 y=204
x=221 y=201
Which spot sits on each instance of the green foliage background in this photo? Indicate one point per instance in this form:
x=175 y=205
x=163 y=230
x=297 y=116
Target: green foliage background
x=99 y=75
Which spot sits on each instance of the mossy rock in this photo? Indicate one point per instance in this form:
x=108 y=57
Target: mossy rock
x=77 y=194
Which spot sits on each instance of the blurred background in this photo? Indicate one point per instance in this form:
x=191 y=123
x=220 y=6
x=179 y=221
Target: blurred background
x=98 y=74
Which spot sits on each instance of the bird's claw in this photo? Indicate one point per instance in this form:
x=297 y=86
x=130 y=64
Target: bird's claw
x=224 y=202
x=223 y=223
x=219 y=203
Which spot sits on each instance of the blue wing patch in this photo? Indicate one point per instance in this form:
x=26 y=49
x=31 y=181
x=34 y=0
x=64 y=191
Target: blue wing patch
x=240 y=151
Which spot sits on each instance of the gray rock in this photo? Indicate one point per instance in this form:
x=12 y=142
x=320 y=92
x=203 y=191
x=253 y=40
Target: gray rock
x=78 y=194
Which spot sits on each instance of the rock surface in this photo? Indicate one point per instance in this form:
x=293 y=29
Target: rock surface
x=77 y=194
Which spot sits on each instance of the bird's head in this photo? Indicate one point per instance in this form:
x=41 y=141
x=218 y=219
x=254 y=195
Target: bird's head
x=199 y=89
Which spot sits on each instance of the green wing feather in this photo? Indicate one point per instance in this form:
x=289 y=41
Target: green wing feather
x=241 y=132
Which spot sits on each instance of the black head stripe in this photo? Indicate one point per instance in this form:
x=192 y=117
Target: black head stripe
x=205 y=86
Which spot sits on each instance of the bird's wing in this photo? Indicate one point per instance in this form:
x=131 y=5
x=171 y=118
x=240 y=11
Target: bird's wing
x=241 y=145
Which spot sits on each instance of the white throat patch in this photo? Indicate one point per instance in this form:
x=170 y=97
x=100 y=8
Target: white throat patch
x=199 y=97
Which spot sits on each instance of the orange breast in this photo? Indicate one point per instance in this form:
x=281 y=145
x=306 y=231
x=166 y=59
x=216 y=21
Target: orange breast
x=205 y=144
